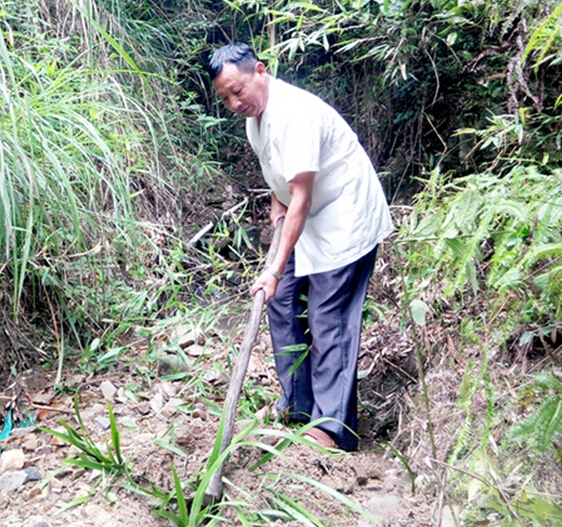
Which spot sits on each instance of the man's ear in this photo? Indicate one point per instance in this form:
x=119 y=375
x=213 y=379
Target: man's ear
x=260 y=68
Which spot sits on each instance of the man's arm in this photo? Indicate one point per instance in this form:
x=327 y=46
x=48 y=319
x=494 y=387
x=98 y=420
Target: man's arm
x=300 y=188
x=277 y=210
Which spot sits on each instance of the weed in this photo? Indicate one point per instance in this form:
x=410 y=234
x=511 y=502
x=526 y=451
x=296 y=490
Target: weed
x=543 y=427
x=109 y=461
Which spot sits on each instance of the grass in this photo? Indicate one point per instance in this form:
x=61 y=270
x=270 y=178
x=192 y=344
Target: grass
x=269 y=490
x=90 y=165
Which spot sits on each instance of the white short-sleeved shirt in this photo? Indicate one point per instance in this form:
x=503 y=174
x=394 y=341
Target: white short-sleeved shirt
x=349 y=214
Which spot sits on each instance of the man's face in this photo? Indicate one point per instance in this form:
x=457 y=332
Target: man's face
x=241 y=92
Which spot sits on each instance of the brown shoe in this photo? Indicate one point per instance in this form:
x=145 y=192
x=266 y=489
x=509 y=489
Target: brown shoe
x=321 y=438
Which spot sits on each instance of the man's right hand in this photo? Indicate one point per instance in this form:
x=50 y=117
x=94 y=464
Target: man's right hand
x=268 y=283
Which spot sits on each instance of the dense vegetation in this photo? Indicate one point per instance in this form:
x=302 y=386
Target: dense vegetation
x=114 y=154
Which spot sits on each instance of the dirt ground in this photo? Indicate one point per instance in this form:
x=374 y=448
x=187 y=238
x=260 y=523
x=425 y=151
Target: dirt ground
x=177 y=412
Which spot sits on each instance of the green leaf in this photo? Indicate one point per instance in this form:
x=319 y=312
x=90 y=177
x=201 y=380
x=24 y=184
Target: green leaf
x=180 y=497
x=168 y=446
x=419 y=310
x=115 y=439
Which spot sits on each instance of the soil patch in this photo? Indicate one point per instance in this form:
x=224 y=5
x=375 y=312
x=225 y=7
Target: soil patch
x=154 y=414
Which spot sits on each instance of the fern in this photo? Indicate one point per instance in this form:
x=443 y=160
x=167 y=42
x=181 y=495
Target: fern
x=542 y=428
x=500 y=232
x=545 y=37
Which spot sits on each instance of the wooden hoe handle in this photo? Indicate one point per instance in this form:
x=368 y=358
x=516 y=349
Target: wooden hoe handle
x=215 y=487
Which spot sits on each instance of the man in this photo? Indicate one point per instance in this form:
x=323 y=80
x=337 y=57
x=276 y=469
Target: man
x=325 y=186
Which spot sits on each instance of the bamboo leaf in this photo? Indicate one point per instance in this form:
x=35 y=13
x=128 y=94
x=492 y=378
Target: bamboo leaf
x=419 y=310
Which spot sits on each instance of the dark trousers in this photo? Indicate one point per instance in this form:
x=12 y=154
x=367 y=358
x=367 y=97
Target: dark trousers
x=321 y=316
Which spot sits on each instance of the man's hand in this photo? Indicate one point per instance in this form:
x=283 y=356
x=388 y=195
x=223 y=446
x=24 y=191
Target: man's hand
x=268 y=283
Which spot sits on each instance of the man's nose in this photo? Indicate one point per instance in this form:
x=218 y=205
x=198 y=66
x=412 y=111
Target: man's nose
x=235 y=103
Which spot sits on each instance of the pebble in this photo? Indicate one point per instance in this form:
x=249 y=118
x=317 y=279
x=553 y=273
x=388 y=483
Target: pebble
x=196 y=350
x=168 y=389
x=157 y=403
x=18 y=432
x=44 y=450
x=34 y=492
x=37 y=521
x=108 y=390
x=30 y=444
x=81 y=493
x=32 y=474
x=11 y=460
x=143 y=408
x=12 y=481
x=172 y=407
x=44 y=398
x=124 y=396
x=103 y=422
x=187 y=336
x=57 y=441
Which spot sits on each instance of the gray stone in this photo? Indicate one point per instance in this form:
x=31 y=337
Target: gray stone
x=30 y=443
x=187 y=336
x=103 y=422
x=32 y=474
x=12 y=481
x=37 y=521
x=380 y=505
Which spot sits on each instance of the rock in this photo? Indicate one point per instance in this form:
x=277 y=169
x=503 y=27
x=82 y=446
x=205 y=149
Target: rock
x=168 y=389
x=157 y=403
x=55 y=486
x=12 y=481
x=44 y=450
x=103 y=422
x=20 y=432
x=111 y=497
x=57 y=441
x=200 y=411
x=34 y=492
x=171 y=407
x=143 y=408
x=187 y=336
x=108 y=390
x=173 y=363
x=32 y=474
x=30 y=444
x=125 y=396
x=44 y=399
x=196 y=350
x=82 y=493
x=37 y=521
x=11 y=460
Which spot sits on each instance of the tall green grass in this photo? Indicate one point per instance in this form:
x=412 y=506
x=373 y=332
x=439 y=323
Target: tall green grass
x=93 y=149
x=65 y=173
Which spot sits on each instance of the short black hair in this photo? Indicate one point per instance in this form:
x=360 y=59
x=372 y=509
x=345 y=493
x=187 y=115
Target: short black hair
x=239 y=53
